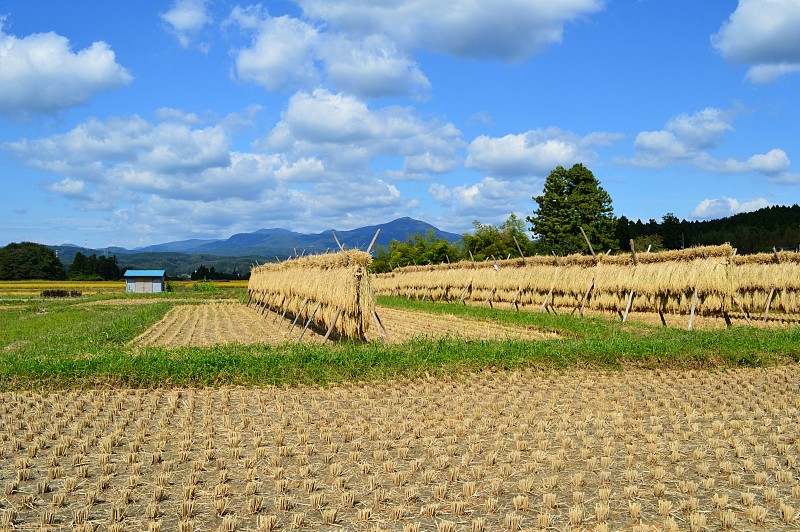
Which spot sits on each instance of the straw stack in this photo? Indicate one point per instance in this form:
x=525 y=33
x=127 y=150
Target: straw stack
x=337 y=281
x=756 y=276
x=665 y=281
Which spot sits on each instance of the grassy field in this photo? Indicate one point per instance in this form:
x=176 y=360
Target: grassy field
x=86 y=341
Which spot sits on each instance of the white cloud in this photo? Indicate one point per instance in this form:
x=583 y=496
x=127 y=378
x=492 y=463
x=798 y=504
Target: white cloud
x=687 y=139
x=762 y=33
x=535 y=152
x=347 y=136
x=365 y=48
x=40 y=74
x=722 y=207
x=372 y=68
x=490 y=200
x=282 y=54
x=186 y=19
x=174 y=173
x=508 y=30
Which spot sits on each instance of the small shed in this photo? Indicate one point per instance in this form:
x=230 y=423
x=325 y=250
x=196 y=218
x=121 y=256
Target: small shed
x=144 y=281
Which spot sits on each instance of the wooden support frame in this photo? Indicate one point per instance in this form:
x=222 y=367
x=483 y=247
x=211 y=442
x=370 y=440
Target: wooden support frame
x=514 y=304
x=381 y=329
x=586 y=238
x=489 y=298
x=522 y=255
x=333 y=324
x=586 y=298
x=424 y=295
x=341 y=247
x=308 y=323
x=769 y=303
x=694 y=307
x=546 y=298
x=464 y=293
x=299 y=312
x=374 y=238
x=628 y=307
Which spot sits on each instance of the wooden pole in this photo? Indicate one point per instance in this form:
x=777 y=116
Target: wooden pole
x=472 y=259
x=381 y=329
x=374 y=238
x=769 y=302
x=341 y=247
x=277 y=311
x=285 y=310
x=426 y=293
x=514 y=303
x=464 y=293
x=558 y=262
x=333 y=324
x=663 y=320
x=544 y=304
x=586 y=298
x=694 y=307
x=489 y=298
x=633 y=251
x=591 y=250
x=522 y=255
x=299 y=312
x=628 y=308
x=311 y=317
x=744 y=311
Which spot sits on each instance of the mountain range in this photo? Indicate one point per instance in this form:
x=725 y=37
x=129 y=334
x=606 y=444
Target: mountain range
x=282 y=242
x=241 y=250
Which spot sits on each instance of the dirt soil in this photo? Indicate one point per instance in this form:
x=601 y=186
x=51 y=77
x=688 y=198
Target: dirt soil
x=574 y=450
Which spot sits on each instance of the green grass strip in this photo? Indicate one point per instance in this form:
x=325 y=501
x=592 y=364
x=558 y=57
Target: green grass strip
x=67 y=345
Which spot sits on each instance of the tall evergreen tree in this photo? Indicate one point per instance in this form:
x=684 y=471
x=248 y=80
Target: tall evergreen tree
x=573 y=199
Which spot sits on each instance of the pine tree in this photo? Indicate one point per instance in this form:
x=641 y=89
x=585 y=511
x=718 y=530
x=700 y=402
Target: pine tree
x=573 y=199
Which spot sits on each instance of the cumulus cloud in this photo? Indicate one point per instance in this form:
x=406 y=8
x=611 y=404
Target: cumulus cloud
x=687 y=139
x=490 y=199
x=186 y=19
x=282 y=54
x=347 y=135
x=40 y=74
x=721 y=207
x=507 y=30
x=174 y=172
x=762 y=33
x=534 y=152
x=372 y=68
x=366 y=49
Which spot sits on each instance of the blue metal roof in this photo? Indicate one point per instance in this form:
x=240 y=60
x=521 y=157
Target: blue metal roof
x=144 y=273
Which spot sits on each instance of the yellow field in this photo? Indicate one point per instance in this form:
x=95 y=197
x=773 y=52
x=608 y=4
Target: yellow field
x=525 y=450
x=34 y=288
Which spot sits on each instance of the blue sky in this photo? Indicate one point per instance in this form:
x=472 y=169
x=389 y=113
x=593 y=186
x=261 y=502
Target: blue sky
x=132 y=123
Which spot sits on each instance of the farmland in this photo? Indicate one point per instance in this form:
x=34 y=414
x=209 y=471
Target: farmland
x=190 y=411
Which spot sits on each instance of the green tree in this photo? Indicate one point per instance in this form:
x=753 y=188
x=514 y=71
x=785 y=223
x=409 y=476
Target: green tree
x=488 y=241
x=416 y=249
x=28 y=260
x=573 y=199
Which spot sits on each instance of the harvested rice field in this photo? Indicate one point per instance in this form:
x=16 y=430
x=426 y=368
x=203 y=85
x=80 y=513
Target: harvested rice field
x=523 y=450
x=218 y=323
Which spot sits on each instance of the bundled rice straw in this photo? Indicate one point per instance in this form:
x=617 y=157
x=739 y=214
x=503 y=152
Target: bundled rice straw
x=335 y=281
x=664 y=281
